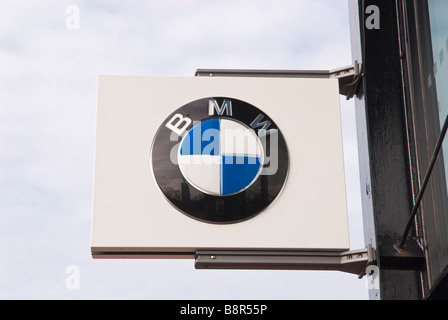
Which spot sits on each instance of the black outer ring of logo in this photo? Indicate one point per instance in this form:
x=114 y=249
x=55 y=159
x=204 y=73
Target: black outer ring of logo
x=209 y=208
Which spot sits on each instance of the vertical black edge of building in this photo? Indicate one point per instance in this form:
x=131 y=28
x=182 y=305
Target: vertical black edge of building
x=387 y=191
x=398 y=123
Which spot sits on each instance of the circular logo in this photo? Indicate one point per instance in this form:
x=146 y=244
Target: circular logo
x=219 y=160
x=221 y=157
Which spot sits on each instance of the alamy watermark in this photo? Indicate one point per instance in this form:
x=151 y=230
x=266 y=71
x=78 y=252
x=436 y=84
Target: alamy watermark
x=373 y=277
x=72 y=20
x=208 y=142
x=72 y=281
x=373 y=20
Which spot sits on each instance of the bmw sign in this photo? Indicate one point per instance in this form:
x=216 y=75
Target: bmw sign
x=184 y=164
x=219 y=160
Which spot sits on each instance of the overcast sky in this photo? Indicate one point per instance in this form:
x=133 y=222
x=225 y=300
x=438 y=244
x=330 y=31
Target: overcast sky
x=48 y=81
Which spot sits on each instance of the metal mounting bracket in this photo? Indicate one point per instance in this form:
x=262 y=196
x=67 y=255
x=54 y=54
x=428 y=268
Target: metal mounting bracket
x=349 y=77
x=355 y=262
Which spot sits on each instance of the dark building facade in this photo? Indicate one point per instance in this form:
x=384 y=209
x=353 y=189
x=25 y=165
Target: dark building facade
x=401 y=108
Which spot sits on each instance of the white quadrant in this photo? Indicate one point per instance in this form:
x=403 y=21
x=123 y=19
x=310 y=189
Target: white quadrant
x=237 y=139
x=202 y=171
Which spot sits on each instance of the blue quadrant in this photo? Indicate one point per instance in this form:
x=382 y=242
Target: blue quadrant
x=238 y=172
x=203 y=139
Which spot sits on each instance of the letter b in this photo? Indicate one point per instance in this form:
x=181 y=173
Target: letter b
x=178 y=124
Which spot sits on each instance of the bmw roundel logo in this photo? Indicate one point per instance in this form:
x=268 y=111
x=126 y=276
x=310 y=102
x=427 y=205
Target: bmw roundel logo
x=220 y=160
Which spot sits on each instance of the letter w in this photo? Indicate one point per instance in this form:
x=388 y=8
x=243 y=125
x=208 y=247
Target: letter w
x=264 y=126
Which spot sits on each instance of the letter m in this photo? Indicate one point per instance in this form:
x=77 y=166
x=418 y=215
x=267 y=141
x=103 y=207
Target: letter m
x=226 y=106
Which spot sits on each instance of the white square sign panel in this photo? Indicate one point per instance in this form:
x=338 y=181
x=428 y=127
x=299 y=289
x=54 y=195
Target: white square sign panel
x=207 y=163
